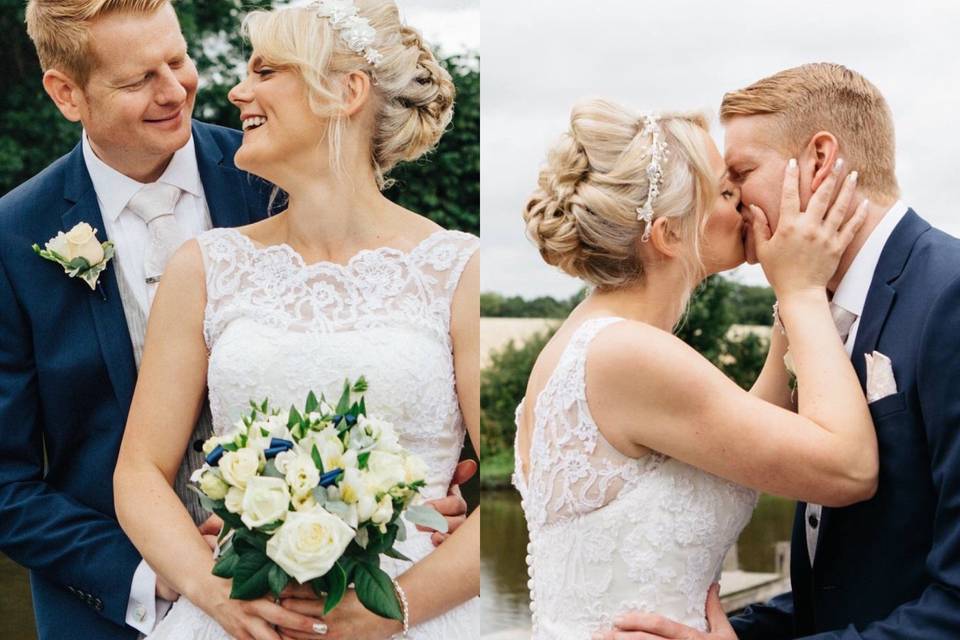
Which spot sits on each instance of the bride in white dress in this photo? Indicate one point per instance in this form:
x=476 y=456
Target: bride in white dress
x=638 y=462
x=342 y=283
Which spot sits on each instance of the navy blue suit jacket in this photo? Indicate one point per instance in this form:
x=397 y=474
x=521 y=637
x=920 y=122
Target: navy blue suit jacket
x=889 y=568
x=67 y=375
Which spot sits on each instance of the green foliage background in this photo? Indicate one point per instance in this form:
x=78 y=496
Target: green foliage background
x=717 y=304
x=444 y=186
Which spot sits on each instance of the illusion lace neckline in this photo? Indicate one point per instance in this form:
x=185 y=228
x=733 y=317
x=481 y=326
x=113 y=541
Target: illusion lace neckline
x=383 y=251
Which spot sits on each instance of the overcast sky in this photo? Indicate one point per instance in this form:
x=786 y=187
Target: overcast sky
x=454 y=25
x=540 y=57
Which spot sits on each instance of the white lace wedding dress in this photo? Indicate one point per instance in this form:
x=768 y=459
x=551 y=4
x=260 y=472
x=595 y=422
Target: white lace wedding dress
x=278 y=328
x=609 y=533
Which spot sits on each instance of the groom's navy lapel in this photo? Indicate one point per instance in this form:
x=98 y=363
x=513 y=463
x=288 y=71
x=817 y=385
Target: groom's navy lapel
x=882 y=289
x=112 y=332
x=226 y=188
x=879 y=300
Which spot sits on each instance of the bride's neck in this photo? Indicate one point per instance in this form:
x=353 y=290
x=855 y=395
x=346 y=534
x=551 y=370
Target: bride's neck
x=658 y=299
x=334 y=211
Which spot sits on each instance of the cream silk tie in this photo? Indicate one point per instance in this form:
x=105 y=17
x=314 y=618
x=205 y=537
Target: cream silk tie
x=844 y=320
x=154 y=204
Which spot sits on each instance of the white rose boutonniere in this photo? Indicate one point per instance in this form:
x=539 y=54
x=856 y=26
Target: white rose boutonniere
x=79 y=253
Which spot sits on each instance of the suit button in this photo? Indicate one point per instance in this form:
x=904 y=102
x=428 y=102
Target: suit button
x=813 y=521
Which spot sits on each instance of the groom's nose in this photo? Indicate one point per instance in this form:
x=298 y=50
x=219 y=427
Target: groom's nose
x=170 y=91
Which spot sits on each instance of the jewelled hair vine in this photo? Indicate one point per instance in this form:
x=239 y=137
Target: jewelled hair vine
x=658 y=155
x=352 y=28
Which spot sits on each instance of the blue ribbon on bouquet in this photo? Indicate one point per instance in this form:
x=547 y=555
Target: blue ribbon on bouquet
x=277 y=445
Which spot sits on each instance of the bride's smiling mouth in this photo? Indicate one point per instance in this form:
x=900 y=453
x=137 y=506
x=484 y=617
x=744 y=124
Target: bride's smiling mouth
x=249 y=123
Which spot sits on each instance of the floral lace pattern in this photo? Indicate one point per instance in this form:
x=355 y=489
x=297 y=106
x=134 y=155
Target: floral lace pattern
x=278 y=328
x=610 y=533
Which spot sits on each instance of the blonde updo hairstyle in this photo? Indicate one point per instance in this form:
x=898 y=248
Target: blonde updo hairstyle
x=414 y=93
x=583 y=215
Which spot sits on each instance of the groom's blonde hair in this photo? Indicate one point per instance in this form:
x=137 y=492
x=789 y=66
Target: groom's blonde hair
x=825 y=97
x=60 y=30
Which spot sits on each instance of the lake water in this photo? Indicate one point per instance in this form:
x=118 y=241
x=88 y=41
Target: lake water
x=503 y=573
x=16 y=613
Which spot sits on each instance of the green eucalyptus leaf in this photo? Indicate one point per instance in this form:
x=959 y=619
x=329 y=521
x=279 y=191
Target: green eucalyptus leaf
x=426 y=517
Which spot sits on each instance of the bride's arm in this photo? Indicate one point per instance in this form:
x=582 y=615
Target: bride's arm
x=450 y=575
x=166 y=404
x=652 y=391
x=773 y=383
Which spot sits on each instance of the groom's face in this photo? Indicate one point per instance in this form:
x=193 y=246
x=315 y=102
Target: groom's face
x=756 y=165
x=139 y=98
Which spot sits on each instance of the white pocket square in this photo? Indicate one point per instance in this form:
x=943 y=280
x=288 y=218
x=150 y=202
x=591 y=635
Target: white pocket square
x=880 y=380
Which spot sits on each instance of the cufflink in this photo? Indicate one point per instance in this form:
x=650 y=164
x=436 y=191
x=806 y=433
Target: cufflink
x=140 y=613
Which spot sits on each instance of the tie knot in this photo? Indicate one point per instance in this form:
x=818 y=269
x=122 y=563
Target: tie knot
x=843 y=319
x=154 y=200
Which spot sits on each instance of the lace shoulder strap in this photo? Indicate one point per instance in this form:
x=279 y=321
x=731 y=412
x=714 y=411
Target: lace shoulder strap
x=443 y=257
x=224 y=254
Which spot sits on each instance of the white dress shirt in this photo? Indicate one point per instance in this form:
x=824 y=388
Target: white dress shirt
x=851 y=294
x=130 y=237
x=127 y=231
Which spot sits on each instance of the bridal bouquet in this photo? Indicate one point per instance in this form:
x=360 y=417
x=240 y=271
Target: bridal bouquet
x=315 y=495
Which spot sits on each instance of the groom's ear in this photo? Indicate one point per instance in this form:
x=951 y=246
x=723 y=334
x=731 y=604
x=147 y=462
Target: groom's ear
x=822 y=152
x=64 y=92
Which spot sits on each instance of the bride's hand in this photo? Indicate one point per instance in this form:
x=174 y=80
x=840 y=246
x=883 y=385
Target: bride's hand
x=805 y=250
x=349 y=621
x=257 y=619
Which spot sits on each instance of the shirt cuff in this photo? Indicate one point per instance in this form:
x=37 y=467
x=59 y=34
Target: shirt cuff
x=144 y=608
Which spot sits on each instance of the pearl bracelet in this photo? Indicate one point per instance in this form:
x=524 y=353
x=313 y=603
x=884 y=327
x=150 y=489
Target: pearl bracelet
x=405 y=605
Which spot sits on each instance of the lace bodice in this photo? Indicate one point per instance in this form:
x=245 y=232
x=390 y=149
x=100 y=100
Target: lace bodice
x=278 y=328
x=610 y=533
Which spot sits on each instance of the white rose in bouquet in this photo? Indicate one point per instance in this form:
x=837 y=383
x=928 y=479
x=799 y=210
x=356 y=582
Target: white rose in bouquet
x=212 y=484
x=302 y=475
x=387 y=470
x=238 y=467
x=415 y=469
x=265 y=500
x=233 y=501
x=303 y=503
x=308 y=543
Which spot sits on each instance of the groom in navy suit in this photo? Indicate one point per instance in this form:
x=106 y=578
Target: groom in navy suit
x=68 y=353
x=887 y=568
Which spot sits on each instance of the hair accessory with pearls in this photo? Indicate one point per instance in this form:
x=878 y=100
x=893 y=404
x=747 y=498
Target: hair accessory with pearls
x=352 y=28
x=658 y=154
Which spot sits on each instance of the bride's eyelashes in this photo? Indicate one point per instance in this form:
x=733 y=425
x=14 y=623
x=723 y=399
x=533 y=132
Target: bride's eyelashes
x=264 y=72
x=727 y=194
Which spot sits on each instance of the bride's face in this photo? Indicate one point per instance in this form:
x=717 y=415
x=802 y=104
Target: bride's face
x=280 y=132
x=721 y=247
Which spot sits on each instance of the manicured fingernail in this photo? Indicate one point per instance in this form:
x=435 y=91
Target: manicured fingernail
x=838 y=165
x=319 y=627
x=853 y=176
x=792 y=163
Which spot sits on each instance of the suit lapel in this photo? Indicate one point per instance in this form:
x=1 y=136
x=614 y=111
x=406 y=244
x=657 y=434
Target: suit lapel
x=876 y=308
x=112 y=332
x=226 y=188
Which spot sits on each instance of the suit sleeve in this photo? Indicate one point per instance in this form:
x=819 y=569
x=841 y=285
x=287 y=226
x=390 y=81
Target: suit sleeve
x=935 y=615
x=772 y=620
x=41 y=528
